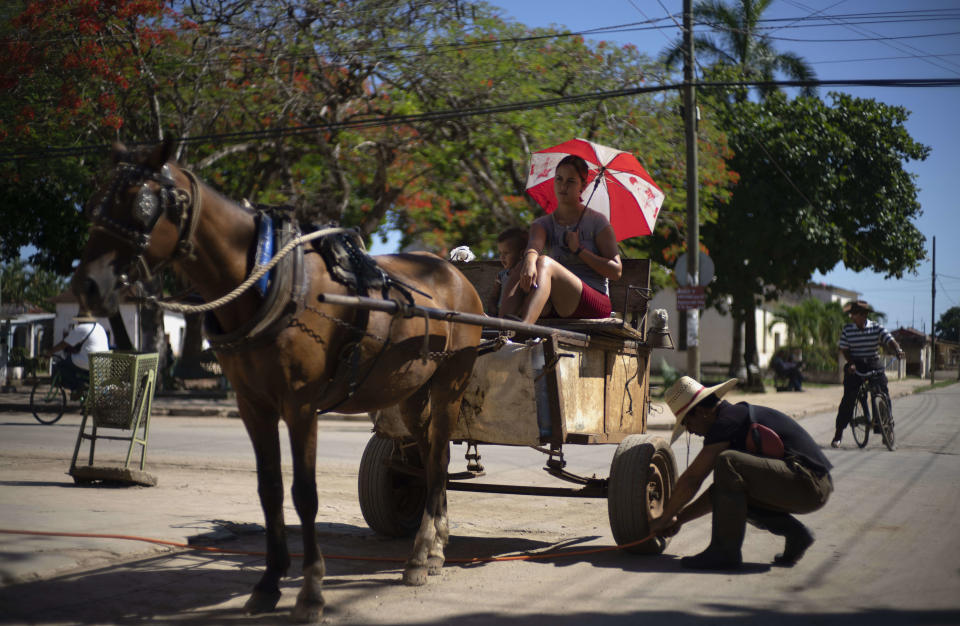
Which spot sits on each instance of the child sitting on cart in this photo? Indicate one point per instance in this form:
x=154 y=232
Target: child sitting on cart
x=510 y=245
x=570 y=256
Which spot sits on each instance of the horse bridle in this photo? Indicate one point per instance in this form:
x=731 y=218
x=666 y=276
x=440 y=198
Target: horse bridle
x=180 y=207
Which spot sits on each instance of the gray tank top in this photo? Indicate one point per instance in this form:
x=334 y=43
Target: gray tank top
x=590 y=226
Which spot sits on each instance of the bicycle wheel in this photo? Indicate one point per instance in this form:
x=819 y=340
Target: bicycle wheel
x=48 y=401
x=860 y=422
x=885 y=419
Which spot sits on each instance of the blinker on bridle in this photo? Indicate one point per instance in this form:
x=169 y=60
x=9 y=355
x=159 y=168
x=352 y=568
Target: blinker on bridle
x=148 y=207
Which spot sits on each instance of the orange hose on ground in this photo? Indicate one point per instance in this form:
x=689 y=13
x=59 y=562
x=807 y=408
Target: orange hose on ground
x=344 y=557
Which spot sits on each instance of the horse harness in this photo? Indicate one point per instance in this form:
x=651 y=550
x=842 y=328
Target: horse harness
x=282 y=294
x=181 y=208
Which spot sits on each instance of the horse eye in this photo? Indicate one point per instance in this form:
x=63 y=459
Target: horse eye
x=145 y=206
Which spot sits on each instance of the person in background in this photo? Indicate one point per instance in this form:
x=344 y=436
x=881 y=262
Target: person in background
x=762 y=484
x=510 y=245
x=571 y=256
x=85 y=337
x=784 y=366
x=859 y=342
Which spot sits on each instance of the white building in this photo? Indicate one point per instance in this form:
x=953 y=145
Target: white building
x=67 y=308
x=716 y=329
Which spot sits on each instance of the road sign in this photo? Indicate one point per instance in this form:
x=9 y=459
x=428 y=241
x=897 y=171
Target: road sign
x=691 y=298
x=705 y=269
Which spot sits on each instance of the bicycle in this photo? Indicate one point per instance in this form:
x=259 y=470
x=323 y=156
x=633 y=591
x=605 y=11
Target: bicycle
x=48 y=399
x=865 y=420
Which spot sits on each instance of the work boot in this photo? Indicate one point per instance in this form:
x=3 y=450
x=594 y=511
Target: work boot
x=729 y=525
x=798 y=537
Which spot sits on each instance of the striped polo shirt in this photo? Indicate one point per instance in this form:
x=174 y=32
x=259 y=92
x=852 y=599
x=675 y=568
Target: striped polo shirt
x=863 y=343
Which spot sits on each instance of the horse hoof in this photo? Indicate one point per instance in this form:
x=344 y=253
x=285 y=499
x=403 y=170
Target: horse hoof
x=307 y=614
x=434 y=565
x=415 y=576
x=261 y=601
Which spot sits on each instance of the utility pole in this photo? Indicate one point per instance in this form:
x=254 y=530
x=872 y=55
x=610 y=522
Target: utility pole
x=693 y=216
x=933 y=308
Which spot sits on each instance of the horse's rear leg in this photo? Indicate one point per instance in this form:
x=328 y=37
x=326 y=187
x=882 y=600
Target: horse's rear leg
x=265 y=437
x=303 y=445
x=445 y=392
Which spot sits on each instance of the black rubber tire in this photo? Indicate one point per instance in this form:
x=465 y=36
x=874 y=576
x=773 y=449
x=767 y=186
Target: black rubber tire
x=860 y=422
x=642 y=477
x=392 y=502
x=47 y=402
x=882 y=411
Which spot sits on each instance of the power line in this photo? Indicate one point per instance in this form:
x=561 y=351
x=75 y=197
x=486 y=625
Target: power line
x=944 y=291
x=433 y=116
x=876 y=38
x=943 y=64
x=896 y=58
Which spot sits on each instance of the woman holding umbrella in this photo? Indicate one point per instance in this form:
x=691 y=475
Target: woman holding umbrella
x=570 y=258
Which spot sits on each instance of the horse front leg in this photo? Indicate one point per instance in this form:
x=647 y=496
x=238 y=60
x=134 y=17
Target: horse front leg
x=303 y=445
x=265 y=437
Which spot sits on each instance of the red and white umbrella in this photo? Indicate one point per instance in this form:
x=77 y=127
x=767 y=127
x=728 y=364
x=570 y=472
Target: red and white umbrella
x=625 y=192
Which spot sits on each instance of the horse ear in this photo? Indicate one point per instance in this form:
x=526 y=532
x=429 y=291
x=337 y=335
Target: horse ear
x=160 y=154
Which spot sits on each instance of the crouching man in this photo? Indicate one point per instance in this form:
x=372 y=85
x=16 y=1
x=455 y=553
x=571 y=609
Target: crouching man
x=761 y=474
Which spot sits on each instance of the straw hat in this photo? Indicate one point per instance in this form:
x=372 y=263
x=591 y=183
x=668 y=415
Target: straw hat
x=687 y=393
x=857 y=306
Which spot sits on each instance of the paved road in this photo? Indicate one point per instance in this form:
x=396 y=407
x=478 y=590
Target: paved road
x=888 y=544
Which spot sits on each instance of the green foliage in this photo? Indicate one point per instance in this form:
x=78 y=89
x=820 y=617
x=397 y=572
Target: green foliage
x=948 y=327
x=21 y=284
x=819 y=185
x=670 y=374
x=205 y=68
x=814 y=327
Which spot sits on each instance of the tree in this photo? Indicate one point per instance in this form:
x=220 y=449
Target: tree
x=948 y=327
x=21 y=284
x=74 y=73
x=819 y=185
x=304 y=104
x=740 y=52
x=295 y=73
x=814 y=327
x=740 y=47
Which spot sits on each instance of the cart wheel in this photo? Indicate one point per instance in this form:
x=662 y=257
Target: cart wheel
x=642 y=476
x=392 y=501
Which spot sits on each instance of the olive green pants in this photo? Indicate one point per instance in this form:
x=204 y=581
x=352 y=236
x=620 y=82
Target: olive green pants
x=772 y=484
x=763 y=490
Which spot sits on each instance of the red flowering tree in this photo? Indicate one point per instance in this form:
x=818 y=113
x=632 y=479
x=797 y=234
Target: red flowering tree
x=77 y=74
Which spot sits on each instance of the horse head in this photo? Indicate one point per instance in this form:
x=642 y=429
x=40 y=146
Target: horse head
x=140 y=220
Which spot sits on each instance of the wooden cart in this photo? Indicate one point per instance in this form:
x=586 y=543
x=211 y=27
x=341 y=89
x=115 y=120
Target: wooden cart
x=545 y=386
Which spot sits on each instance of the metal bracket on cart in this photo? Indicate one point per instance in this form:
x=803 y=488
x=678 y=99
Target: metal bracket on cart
x=556 y=464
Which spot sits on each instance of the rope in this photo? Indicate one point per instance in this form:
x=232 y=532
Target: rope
x=257 y=273
x=343 y=557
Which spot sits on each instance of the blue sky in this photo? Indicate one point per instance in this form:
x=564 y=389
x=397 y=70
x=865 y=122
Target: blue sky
x=864 y=44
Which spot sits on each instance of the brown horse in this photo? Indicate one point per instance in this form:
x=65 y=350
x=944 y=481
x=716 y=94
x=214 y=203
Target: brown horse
x=310 y=356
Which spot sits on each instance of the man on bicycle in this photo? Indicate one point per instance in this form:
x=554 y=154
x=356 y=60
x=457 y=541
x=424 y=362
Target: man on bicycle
x=859 y=343
x=86 y=336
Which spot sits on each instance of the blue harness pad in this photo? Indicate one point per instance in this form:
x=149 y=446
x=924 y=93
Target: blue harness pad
x=264 y=252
